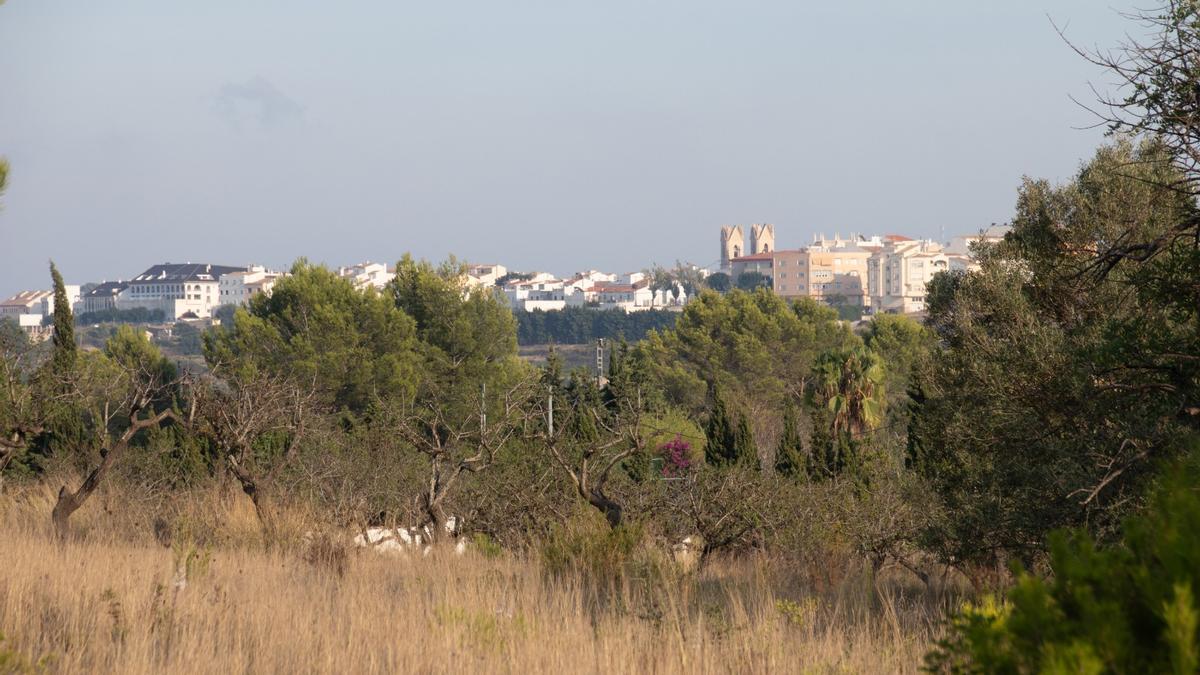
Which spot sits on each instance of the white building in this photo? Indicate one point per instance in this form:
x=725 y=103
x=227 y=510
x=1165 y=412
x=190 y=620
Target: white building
x=625 y=297
x=236 y=288
x=102 y=297
x=542 y=292
x=485 y=274
x=29 y=309
x=820 y=242
x=28 y=302
x=366 y=274
x=898 y=272
x=191 y=289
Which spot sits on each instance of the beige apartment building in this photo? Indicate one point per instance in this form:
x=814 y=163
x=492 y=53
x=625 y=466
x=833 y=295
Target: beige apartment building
x=838 y=273
x=815 y=272
x=898 y=272
x=789 y=273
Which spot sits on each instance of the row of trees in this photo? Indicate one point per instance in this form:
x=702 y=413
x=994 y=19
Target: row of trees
x=1041 y=394
x=422 y=384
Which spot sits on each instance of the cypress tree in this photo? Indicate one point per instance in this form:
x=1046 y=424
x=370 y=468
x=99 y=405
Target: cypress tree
x=789 y=455
x=745 y=451
x=63 y=359
x=822 y=461
x=721 y=447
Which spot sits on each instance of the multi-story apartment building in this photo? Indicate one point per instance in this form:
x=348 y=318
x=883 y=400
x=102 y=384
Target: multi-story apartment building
x=29 y=309
x=366 y=274
x=191 y=289
x=898 y=272
x=102 y=297
x=837 y=270
x=485 y=274
x=542 y=291
x=28 y=302
x=236 y=288
x=789 y=269
x=635 y=297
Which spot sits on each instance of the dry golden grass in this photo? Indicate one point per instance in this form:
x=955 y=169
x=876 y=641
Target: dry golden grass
x=109 y=602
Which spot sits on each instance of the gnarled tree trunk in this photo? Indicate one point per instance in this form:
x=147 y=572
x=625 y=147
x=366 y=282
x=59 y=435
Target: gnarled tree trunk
x=69 y=501
x=612 y=510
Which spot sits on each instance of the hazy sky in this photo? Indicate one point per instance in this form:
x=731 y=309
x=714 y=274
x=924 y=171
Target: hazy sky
x=550 y=134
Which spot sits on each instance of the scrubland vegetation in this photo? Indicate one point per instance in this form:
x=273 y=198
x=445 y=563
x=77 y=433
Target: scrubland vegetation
x=214 y=599
x=1007 y=486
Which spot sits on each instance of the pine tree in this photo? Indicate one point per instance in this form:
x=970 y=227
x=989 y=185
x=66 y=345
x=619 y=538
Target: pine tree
x=789 y=455
x=63 y=359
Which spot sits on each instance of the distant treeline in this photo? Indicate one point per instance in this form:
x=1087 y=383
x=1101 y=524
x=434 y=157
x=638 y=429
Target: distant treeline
x=579 y=325
x=133 y=315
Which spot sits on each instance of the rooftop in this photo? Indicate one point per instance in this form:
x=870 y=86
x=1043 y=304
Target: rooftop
x=753 y=257
x=184 y=272
x=107 y=288
x=24 y=298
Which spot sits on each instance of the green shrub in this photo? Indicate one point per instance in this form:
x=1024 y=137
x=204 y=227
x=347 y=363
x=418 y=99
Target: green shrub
x=1126 y=608
x=584 y=545
x=486 y=546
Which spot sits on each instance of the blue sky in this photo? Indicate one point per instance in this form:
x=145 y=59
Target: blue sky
x=552 y=134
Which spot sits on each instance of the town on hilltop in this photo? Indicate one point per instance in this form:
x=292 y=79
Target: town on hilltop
x=865 y=274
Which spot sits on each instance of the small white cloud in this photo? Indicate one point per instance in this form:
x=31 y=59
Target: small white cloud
x=256 y=98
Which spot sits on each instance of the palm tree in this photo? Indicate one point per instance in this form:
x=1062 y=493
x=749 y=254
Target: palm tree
x=852 y=384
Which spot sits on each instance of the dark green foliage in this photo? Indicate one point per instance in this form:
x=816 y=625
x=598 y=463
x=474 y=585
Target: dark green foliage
x=582 y=325
x=62 y=361
x=745 y=451
x=790 y=458
x=131 y=315
x=830 y=453
x=1130 y=607
x=1055 y=388
x=754 y=346
x=316 y=327
x=467 y=340
x=637 y=466
x=719 y=282
x=728 y=442
x=719 y=433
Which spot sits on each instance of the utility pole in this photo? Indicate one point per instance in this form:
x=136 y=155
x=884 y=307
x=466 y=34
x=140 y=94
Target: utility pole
x=550 y=404
x=599 y=362
x=482 y=408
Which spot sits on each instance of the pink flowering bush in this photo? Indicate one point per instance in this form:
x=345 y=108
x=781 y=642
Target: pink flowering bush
x=677 y=456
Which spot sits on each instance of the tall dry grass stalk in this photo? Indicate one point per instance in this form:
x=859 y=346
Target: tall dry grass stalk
x=109 y=603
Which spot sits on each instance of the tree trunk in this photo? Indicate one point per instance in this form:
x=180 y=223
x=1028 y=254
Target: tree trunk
x=257 y=492
x=612 y=511
x=69 y=502
x=436 y=515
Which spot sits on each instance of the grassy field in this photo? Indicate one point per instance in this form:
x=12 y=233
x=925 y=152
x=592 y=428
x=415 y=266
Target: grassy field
x=118 y=599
